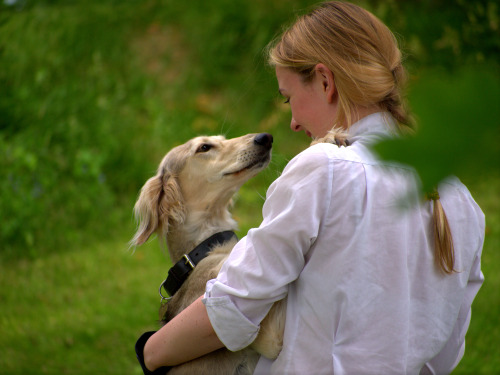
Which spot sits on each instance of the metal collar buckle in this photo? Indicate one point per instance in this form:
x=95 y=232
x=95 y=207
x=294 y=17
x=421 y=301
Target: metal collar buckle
x=163 y=298
x=180 y=271
x=189 y=261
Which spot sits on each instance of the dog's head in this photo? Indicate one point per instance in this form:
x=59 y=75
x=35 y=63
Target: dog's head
x=200 y=175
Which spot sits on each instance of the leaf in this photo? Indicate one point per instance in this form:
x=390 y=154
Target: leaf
x=458 y=120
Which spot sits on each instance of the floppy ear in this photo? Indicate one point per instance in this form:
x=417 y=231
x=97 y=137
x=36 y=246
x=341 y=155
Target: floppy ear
x=146 y=210
x=171 y=206
x=160 y=200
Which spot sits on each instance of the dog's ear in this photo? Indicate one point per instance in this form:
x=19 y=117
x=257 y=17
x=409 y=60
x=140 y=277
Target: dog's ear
x=146 y=210
x=160 y=200
x=171 y=207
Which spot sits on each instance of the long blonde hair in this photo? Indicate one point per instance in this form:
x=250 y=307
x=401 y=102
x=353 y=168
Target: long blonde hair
x=366 y=63
x=357 y=47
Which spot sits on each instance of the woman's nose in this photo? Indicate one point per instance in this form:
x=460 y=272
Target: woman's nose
x=294 y=125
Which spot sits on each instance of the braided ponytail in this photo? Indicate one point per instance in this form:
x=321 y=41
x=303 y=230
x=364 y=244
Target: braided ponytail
x=394 y=102
x=444 y=252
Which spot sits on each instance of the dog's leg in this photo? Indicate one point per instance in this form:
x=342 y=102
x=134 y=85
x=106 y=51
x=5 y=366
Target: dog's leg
x=270 y=338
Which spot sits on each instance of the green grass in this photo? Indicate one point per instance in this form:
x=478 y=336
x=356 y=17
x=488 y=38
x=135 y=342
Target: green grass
x=482 y=353
x=80 y=311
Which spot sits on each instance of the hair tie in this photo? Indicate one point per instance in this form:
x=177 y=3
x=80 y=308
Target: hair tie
x=396 y=71
x=432 y=196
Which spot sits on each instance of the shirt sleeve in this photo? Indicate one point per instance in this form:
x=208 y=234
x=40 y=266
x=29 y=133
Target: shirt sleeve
x=453 y=351
x=262 y=264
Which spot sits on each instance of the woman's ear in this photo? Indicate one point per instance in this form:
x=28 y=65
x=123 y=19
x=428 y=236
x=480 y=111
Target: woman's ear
x=325 y=76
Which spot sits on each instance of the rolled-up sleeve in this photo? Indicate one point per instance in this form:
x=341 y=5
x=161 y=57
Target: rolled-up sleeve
x=262 y=264
x=227 y=319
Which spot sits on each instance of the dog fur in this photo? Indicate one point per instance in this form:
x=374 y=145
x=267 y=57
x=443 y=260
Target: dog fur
x=188 y=201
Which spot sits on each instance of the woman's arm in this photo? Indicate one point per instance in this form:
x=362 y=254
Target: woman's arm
x=253 y=277
x=453 y=351
x=174 y=344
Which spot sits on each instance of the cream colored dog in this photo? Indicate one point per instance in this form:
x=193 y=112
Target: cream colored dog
x=187 y=202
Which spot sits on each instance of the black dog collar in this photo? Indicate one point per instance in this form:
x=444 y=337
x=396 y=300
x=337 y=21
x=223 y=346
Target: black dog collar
x=181 y=270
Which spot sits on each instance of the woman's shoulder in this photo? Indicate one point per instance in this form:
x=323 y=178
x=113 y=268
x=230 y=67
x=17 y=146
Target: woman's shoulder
x=317 y=163
x=312 y=158
x=308 y=169
x=455 y=194
x=320 y=152
x=316 y=156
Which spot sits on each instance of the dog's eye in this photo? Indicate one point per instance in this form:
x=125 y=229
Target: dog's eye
x=204 y=148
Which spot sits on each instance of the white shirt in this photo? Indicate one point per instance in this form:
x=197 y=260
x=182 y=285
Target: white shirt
x=364 y=294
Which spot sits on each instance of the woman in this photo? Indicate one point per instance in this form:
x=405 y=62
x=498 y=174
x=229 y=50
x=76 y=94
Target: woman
x=372 y=288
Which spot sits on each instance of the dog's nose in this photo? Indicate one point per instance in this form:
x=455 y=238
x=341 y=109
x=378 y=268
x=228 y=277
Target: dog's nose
x=263 y=139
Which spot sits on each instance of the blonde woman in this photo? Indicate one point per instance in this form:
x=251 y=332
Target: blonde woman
x=372 y=289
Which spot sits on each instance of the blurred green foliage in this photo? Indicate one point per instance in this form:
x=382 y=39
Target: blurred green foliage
x=453 y=54
x=458 y=127
x=94 y=93
x=445 y=33
x=64 y=124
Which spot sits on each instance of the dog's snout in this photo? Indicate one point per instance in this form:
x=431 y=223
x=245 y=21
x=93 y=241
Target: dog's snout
x=263 y=139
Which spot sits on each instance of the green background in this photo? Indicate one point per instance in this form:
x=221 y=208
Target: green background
x=94 y=93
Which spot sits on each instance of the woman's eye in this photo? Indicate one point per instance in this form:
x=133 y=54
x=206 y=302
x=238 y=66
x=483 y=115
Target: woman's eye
x=204 y=147
x=287 y=101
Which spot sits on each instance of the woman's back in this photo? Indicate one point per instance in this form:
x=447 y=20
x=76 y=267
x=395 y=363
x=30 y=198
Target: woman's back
x=370 y=295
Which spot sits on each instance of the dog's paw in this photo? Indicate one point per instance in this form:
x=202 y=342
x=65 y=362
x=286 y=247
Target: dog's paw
x=336 y=136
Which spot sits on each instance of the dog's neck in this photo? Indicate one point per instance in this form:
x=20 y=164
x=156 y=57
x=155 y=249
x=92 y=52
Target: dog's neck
x=197 y=226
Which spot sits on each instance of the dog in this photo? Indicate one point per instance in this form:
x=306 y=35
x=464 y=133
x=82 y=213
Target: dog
x=187 y=202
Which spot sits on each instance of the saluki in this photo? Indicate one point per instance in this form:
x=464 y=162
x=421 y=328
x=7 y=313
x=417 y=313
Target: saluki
x=187 y=205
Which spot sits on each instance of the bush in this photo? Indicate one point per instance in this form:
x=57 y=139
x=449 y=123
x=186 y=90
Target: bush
x=66 y=131
x=94 y=93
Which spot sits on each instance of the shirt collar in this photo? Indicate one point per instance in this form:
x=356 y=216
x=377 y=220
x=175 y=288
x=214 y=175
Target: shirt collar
x=373 y=127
